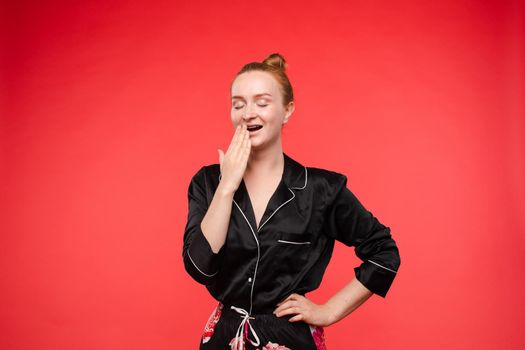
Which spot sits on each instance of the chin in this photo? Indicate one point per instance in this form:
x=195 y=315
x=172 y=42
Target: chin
x=257 y=143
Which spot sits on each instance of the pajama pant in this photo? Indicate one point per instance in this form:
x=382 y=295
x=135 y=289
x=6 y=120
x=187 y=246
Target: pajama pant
x=231 y=328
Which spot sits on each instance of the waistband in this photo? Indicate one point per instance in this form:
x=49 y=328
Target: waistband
x=264 y=316
x=245 y=327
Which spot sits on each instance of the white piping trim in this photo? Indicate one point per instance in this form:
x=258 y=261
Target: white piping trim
x=205 y=274
x=275 y=211
x=283 y=241
x=289 y=189
x=295 y=188
x=386 y=268
x=258 y=254
x=305 y=180
x=259 y=228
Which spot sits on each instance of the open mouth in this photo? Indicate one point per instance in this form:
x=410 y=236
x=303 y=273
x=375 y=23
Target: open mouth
x=254 y=127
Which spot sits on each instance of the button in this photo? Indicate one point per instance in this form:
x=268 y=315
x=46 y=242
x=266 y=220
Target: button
x=250 y=280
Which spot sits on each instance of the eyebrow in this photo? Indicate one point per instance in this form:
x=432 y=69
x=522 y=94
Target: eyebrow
x=258 y=95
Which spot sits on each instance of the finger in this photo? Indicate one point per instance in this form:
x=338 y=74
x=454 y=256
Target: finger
x=242 y=139
x=279 y=309
x=234 y=138
x=248 y=147
x=239 y=138
x=221 y=156
x=288 y=311
x=238 y=142
x=245 y=148
x=285 y=299
x=228 y=150
x=296 y=318
x=286 y=305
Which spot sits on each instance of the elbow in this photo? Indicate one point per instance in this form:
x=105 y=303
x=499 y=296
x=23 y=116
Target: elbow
x=391 y=258
x=197 y=272
x=381 y=250
x=388 y=258
x=397 y=259
x=201 y=263
x=380 y=267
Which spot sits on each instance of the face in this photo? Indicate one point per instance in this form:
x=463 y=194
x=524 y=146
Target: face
x=257 y=100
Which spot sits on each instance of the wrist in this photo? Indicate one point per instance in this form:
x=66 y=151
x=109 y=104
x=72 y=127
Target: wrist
x=225 y=190
x=331 y=314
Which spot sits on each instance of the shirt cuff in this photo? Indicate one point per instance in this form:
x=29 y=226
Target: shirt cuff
x=375 y=277
x=202 y=257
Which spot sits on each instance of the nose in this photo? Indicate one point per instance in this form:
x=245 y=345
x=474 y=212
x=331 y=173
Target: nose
x=248 y=114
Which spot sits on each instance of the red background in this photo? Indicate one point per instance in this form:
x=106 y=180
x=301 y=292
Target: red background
x=109 y=107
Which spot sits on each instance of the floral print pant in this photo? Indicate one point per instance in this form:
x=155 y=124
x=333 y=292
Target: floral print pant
x=232 y=328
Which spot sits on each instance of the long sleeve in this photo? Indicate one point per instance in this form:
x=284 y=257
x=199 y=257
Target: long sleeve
x=349 y=222
x=199 y=259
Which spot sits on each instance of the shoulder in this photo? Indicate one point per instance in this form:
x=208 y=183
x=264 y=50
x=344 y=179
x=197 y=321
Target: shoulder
x=330 y=180
x=331 y=186
x=206 y=174
x=209 y=170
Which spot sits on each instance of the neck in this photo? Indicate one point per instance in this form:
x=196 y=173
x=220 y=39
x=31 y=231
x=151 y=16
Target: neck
x=266 y=161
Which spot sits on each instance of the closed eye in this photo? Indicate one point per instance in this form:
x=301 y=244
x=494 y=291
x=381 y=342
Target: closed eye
x=239 y=107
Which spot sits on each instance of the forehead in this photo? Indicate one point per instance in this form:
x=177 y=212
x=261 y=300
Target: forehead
x=255 y=82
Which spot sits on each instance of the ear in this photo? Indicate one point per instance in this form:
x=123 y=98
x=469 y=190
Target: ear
x=289 y=110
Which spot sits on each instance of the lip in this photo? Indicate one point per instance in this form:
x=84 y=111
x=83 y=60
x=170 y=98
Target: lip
x=251 y=133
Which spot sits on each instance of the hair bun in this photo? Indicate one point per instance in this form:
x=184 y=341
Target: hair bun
x=275 y=60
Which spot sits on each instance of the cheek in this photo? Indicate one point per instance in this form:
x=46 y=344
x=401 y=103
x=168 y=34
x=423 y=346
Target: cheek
x=272 y=116
x=235 y=117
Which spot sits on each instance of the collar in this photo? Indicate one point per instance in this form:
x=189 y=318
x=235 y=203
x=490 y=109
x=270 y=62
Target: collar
x=294 y=178
x=295 y=175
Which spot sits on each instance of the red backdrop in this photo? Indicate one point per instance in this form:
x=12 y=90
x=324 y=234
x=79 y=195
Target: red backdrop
x=108 y=108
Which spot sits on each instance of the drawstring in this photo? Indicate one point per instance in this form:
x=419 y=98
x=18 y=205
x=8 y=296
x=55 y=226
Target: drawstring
x=242 y=332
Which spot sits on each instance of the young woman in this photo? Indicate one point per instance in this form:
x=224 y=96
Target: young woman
x=261 y=229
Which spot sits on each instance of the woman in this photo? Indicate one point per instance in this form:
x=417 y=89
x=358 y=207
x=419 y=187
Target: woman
x=261 y=229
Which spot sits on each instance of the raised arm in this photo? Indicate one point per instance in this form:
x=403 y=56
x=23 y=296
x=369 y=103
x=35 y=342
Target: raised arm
x=206 y=229
x=207 y=226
